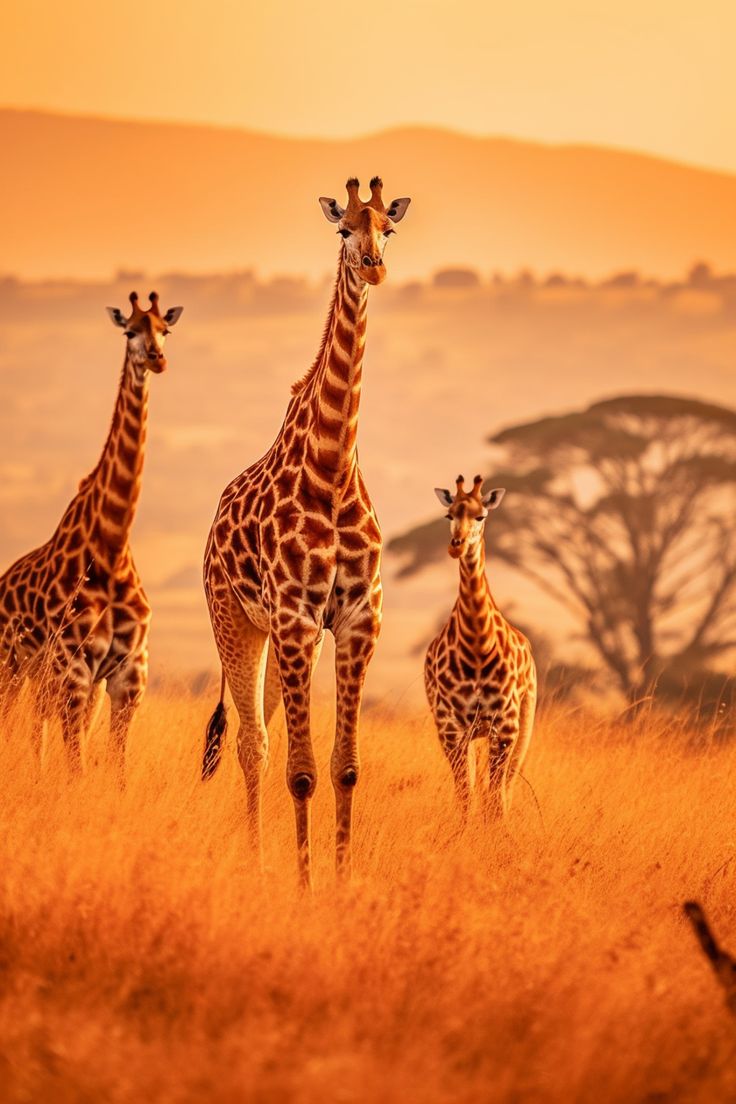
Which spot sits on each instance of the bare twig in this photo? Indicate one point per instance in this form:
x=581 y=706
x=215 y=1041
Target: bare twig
x=724 y=966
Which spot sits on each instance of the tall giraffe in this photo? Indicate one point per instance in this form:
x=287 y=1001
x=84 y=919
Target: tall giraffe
x=479 y=671
x=295 y=549
x=73 y=612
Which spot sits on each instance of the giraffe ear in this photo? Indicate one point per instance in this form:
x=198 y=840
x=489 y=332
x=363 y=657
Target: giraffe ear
x=333 y=212
x=443 y=495
x=117 y=316
x=493 y=498
x=173 y=315
x=398 y=209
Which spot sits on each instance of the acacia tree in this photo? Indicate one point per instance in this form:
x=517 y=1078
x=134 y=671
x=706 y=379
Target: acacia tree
x=625 y=513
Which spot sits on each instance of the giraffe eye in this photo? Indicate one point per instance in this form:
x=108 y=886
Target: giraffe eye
x=449 y=517
x=166 y=332
x=481 y=517
x=344 y=233
x=129 y=333
x=388 y=231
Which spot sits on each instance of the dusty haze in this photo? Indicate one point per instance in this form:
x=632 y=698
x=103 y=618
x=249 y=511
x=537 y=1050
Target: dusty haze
x=445 y=367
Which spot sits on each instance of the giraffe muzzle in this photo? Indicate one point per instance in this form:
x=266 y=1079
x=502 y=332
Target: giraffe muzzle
x=156 y=361
x=456 y=546
x=372 y=271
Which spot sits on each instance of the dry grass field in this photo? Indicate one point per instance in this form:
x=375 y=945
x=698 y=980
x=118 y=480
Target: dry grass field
x=142 y=960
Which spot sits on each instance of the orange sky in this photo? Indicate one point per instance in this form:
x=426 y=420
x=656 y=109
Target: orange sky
x=654 y=75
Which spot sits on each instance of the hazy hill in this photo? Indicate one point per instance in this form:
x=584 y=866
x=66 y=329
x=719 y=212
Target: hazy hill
x=82 y=196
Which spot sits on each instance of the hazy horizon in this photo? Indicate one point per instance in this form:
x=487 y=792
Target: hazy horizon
x=518 y=349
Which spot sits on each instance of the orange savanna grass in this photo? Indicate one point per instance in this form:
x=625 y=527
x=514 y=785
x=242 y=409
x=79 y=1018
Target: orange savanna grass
x=141 y=958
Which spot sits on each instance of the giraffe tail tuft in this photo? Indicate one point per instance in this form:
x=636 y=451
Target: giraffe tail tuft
x=213 y=741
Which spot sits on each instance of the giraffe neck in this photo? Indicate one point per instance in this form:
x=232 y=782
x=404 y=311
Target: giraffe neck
x=113 y=488
x=475 y=606
x=331 y=396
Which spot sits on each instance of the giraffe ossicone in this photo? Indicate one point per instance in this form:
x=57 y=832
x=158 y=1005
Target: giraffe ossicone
x=295 y=550
x=479 y=671
x=73 y=613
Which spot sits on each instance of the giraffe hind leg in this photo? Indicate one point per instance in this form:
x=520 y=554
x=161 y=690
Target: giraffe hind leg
x=243 y=648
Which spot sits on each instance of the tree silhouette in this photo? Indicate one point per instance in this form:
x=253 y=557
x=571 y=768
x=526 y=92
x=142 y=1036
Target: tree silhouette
x=625 y=513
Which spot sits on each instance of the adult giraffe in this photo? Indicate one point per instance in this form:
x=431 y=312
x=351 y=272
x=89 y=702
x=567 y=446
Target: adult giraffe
x=295 y=549
x=73 y=612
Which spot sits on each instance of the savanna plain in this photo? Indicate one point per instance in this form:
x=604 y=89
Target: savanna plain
x=142 y=957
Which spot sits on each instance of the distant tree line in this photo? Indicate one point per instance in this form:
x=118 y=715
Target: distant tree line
x=244 y=292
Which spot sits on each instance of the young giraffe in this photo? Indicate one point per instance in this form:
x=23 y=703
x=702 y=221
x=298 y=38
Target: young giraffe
x=479 y=672
x=73 y=612
x=295 y=549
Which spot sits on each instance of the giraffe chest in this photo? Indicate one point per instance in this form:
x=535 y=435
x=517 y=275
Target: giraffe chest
x=476 y=689
x=298 y=551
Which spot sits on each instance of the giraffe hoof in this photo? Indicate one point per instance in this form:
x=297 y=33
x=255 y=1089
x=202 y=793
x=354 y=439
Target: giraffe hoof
x=302 y=786
x=349 y=778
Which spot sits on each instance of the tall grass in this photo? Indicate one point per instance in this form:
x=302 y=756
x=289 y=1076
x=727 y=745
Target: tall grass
x=142 y=959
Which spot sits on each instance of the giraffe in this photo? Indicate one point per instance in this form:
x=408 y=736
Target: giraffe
x=73 y=612
x=479 y=671
x=295 y=549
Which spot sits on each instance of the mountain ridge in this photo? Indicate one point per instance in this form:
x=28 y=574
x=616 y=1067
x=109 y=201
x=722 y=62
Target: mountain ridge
x=213 y=197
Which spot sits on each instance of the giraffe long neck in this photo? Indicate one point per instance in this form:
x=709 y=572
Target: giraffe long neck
x=332 y=395
x=113 y=488
x=475 y=607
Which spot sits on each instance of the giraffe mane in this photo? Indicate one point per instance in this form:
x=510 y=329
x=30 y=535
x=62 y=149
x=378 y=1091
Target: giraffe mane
x=301 y=384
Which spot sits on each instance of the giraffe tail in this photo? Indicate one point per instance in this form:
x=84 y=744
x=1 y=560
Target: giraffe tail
x=215 y=736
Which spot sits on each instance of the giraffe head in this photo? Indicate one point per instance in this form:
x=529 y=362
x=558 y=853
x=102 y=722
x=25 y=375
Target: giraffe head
x=467 y=512
x=365 y=228
x=146 y=331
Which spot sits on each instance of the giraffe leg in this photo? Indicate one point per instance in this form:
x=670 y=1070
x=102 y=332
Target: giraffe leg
x=243 y=649
x=354 y=647
x=272 y=687
x=494 y=794
x=125 y=689
x=272 y=692
x=246 y=680
x=455 y=746
x=503 y=746
x=93 y=705
x=294 y=647
x=74 y=705
x=521 y=746
x=40 y=709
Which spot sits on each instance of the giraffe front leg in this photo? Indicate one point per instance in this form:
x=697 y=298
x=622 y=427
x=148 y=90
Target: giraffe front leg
x=125 y=687
x=74 y=710
x=294 y=641
x=502 y=747
x=519 y=749
x=355 y=642
x=455 y=746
